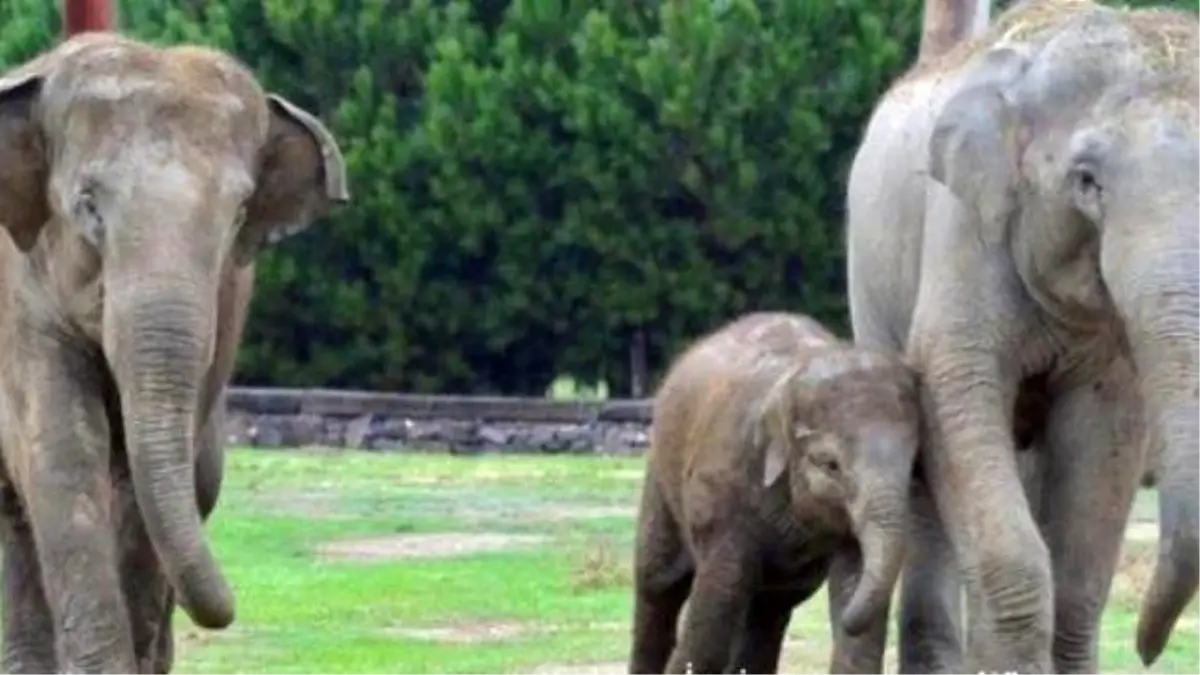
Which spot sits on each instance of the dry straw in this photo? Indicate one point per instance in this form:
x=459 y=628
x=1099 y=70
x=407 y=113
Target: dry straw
x=1168 y=38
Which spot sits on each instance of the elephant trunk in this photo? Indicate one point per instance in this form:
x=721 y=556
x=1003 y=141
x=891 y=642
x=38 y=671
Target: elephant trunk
x=1163 y=323
x=880 y=528
x=157 y=339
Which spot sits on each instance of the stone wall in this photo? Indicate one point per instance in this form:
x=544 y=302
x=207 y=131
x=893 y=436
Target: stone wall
x=382 y=433
x=386 y=422
x=382 y=422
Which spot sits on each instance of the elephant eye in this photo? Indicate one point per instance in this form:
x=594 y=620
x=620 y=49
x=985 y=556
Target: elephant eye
x=825 y=459
x=88 y=217
x=1087 y=191
x=85 y=204
x=1086 y=179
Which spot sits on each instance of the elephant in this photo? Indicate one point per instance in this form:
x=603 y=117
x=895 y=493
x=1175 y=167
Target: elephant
x=138 y=183
x=1021 y=218
x=779 y=456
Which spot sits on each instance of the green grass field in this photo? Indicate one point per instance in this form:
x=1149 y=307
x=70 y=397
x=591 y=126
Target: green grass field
x=355 y=563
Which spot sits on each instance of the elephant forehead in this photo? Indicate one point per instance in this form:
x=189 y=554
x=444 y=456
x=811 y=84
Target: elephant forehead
x=180 y=85
x=1100 y=50
x=1076 y=66
x=133 y=86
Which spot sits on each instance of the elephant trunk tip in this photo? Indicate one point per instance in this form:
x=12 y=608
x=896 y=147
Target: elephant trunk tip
x=1152 y=636
x=1150 y=644
x=211 y=608
x=882 y=556
x=1177 y=568
x=859 y=612
x=1174 y=586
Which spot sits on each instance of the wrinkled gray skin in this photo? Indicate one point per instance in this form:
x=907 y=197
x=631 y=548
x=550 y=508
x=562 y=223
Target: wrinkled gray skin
x=780 y=457
x=137 y=184
x=1024 y=209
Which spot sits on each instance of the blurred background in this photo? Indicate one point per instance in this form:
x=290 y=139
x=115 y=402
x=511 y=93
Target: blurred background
x=548 y=195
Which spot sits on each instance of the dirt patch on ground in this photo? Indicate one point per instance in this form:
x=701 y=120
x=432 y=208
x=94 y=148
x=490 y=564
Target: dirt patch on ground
x=586 y=668
x=539 y=513
x=469 y=632
x=463 y=633
x=600 y=566
x=430 y=545
x=561 y=513
x=315 y=505
x=190 y=639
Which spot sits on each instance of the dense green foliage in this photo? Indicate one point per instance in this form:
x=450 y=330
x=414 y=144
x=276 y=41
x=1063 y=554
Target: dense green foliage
x=535 y=181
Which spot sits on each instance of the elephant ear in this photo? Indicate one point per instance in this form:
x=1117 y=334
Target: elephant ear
x=301 y=174
x=779 y=453
x=977 y=140
x=24 y=166
x=779 y=423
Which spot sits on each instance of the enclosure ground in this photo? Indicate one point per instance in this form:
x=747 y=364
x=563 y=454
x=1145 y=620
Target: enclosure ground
x=351 y=562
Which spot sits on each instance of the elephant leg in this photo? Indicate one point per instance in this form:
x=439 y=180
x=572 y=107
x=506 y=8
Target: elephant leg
x=164 y=650
x=930 y=617
x=859 y=653
x=67 y=489
x=662 y=580
x=1031 y=467
x=1093 y=467
x=69 y=511
x=761 y=641
x=717 y=607
x=143 y=581
x=929 y=623
x=28 y=630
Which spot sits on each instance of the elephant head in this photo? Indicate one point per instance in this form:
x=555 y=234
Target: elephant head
x=845 y=428
x=140 y=176
x=1078 y=154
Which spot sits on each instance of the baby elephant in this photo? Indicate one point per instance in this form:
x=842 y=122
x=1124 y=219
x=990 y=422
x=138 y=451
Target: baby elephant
x=780 y=455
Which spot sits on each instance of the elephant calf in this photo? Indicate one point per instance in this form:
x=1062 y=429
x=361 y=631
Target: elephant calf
x=780 y=455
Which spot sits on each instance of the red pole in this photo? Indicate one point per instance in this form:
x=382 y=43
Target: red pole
x=80 y=16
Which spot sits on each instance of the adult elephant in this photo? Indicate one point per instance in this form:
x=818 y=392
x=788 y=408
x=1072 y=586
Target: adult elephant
x=1022 y=220
x=137 y=184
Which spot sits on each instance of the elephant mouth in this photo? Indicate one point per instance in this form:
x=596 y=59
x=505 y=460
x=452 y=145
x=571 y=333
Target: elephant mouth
x=1031 y=411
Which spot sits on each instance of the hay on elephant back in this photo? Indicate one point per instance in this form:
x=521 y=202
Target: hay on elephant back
x=1018 y=22
x=1167 y=37
x=1026 y=19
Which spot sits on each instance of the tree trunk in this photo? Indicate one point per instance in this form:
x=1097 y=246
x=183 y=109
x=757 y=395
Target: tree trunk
x=80 y=16
x=637 y=364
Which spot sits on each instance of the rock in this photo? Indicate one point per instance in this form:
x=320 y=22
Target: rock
x=494 y=438
x=357 y=431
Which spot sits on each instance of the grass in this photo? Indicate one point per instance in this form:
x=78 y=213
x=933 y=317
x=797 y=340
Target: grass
x=566 y=388
x=558 y=600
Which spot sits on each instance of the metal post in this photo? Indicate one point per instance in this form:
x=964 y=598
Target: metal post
x=80 y=16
